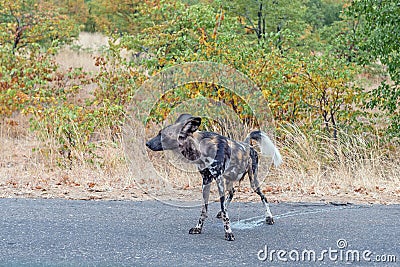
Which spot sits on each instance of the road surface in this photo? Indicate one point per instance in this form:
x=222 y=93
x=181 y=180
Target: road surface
x=125 y=233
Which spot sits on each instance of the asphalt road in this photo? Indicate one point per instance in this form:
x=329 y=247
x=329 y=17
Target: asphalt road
x=124 y=233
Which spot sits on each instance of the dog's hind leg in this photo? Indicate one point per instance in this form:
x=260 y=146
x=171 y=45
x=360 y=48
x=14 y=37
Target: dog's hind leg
x=268 y=215
x=207 y=179
x=252 y=172
x=231 y=192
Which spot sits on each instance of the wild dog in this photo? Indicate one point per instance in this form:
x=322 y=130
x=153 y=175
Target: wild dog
x=217 y=158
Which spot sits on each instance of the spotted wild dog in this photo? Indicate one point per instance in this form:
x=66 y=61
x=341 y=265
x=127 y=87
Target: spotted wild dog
x=217 y=158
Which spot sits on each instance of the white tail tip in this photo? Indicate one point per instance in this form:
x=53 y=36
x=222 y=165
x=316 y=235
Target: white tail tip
x=269 y=149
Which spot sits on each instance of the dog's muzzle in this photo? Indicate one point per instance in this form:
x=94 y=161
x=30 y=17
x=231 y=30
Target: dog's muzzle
x=154 y=145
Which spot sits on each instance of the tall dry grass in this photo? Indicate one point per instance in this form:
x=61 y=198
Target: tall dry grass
x=351 y=168
x=33 y=167
x=355 y=165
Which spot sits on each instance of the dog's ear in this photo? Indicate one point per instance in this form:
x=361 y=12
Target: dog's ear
x=186 y=145
x=183 y=117
x=190 y=125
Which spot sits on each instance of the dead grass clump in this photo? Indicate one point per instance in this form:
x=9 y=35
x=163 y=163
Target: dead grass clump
x=353 y=166
x=33 y=167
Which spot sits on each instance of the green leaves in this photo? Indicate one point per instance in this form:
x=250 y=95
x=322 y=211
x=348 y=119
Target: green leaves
x=25 y=23
x=379 y=36
x=379 y=30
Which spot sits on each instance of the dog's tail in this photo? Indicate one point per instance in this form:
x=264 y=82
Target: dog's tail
x=266 y=146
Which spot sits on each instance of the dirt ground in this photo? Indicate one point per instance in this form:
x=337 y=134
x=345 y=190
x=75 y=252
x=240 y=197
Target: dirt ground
x=137 y=193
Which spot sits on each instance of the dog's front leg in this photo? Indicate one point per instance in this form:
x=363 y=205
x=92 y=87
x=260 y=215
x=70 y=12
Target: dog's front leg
x=224 y=214
x=206 y=194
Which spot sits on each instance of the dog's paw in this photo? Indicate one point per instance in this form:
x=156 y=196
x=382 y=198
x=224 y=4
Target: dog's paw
x=270 y=220
x=219 y=215
x=229 y=236
x=195 y=230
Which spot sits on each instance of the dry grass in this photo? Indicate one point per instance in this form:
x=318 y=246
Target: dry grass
x=30 y=168
x=353 y=169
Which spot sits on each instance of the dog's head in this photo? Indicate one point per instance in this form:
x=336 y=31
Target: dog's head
x=177 y=136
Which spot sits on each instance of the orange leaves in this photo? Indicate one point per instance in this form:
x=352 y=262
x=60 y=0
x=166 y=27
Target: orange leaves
x=203 y=36
x=196 y=90
x=21 y=97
